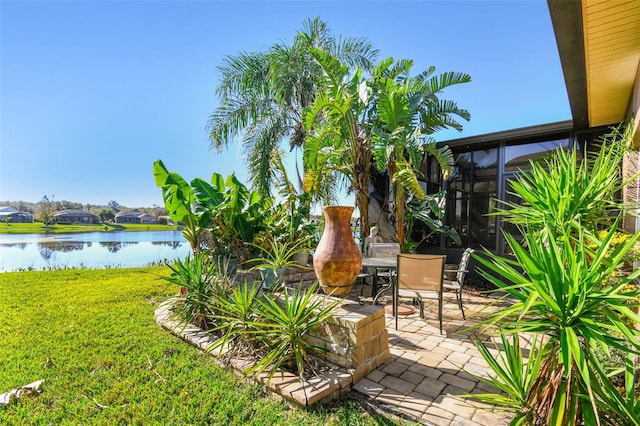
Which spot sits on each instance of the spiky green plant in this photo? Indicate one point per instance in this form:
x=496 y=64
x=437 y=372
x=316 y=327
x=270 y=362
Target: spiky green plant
x=283 y=325
x=560 y=295
x=559 y=277
x=620 y=408
x=236 y=319
x=564 y=191
x=200 y=283
x=512 y=374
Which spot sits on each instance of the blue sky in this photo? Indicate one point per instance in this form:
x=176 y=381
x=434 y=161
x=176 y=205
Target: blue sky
x=93 y=92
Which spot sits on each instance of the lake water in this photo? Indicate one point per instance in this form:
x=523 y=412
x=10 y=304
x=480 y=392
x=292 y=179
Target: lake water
x=90 y=250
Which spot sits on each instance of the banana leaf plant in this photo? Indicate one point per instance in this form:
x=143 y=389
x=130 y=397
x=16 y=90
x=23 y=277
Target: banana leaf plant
x=179 y=200
x=223 y=208
x=430 y=211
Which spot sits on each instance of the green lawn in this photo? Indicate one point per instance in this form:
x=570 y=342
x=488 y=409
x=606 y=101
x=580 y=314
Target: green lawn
x=39 y=228
x=91 y=335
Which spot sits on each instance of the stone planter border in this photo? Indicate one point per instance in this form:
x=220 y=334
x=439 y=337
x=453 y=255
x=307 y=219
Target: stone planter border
x=356 y=337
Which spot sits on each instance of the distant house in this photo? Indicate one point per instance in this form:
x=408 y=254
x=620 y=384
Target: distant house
x=165 y=220
x=135 y=217
x=147 y=218
x=9 y=214
x=127 y=217
x=75 y=216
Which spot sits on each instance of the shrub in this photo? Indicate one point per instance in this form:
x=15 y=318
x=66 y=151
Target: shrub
x=283 y=327
x=237 y=318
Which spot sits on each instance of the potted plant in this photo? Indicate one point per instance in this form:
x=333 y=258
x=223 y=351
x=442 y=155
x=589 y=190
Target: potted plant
x=300 y=230
x=306 y=237
x=277 y=256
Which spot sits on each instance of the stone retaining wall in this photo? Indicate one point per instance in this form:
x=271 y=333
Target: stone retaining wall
x=292 y=276
x=356 y=338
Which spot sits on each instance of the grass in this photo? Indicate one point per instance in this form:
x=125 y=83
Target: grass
x=91 y=335
x=40 y=228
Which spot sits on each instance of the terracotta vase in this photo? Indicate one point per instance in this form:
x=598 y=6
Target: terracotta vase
x=337 y=260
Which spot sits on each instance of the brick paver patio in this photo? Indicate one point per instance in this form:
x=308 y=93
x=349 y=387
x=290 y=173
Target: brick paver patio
x=427 y=370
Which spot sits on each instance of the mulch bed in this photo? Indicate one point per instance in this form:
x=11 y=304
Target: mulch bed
x=478 y=287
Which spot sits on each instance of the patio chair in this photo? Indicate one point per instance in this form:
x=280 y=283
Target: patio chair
x=420 y=276
x=457 y=283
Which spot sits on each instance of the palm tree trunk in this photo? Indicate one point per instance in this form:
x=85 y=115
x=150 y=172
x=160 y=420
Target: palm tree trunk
x=361 y=181
x=399 y=200
x=400 y=214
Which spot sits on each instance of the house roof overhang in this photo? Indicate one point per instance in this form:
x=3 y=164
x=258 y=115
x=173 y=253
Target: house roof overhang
x=599 y=46
x=521 y=135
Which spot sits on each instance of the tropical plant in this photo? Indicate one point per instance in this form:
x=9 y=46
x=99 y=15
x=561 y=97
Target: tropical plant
x=236 y=319
x=179 y=200
x=263 y=94
x=202 y=283
x=430 y=211
x=566 y=192
x=408 y=111
x=276 y=254
x=385 y=121
x=283 y=325
x=218 y=216
x=619 y=407
x=292 y=223
x=559 y=277
x=560 y=295
x=235 y=211
x=513 y=376
x=338 y=150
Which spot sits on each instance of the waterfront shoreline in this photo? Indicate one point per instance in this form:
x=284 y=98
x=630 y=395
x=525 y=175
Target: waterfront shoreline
x=39 y=228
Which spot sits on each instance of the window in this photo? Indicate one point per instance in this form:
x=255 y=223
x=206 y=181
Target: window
x=471 y=195
x=516 y=157
x=480 y=178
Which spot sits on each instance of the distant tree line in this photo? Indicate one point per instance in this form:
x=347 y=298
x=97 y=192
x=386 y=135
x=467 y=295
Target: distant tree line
x=44 y=209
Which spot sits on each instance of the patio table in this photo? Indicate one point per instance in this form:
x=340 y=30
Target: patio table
x=379 y=263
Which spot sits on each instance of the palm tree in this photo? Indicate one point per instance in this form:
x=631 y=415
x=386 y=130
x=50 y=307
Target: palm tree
x=408 y=112
x=263 y=95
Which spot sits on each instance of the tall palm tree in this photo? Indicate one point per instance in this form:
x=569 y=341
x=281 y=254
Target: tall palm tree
x=263 y=95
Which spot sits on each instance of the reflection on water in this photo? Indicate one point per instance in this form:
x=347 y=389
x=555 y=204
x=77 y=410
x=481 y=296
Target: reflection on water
x=118 y=249
x=62 y=245
x=114 y=247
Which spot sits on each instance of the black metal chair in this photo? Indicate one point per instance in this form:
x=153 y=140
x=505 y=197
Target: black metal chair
x=460 y=273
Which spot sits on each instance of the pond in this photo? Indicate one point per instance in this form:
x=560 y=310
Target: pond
x=90 y=249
